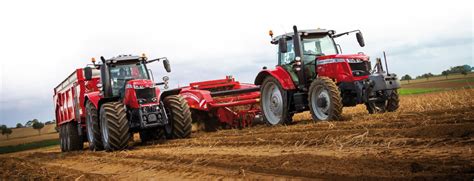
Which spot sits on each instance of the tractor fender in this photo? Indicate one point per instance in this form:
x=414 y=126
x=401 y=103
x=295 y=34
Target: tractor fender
x=169 y=93
x=279 y=74
x=93 y=97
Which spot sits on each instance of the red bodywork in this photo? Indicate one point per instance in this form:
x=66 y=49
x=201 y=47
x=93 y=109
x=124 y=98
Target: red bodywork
x=69 y=97
x=340 y=71
x=333 y=66
x=236 y=110
x=130 y=98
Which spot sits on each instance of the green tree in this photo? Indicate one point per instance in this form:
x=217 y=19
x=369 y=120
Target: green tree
x=19 y=125
x=2 y=127
x=38 y=126
x=6 y=131
x=31 y=122
x=445 y=73
x=407 y=77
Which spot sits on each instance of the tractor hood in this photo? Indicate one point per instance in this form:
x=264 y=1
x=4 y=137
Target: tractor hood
x=140 y=84
x=141 y=92
x=350 y=56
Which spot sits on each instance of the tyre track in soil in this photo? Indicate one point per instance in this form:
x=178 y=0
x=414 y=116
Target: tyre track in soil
x=433 y=144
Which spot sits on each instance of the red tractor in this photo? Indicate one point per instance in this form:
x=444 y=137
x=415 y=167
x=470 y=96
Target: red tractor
x=312 y=74
x=108 y=102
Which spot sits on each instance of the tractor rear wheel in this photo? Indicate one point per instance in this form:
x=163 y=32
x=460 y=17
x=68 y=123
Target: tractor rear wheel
x=114 y=126
x=325 y=100
x=274 y=102
x=179 y=117
x=94 y=135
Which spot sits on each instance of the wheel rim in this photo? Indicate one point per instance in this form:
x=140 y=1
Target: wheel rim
x=320 y=102
x=105 y=131
x=90 y=134
x=272 y=101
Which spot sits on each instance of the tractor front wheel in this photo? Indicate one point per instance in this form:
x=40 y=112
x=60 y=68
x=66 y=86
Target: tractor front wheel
x=274 y=102
x=179 y=117
x=114 y=126
x=391 y=103
x=325 y=100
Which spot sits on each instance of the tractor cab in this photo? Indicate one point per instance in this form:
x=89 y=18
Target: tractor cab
x=318 y=47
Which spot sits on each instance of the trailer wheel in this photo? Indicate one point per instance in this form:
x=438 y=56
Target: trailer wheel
x=274 y=102
x=325 y=102
x=62 y=138
x=74 y=140
x=393 y=101
x=114 y=126
x=94 y=135
x=180 y=122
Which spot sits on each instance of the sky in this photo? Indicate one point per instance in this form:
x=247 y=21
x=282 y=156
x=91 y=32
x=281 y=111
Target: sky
x=42 y=42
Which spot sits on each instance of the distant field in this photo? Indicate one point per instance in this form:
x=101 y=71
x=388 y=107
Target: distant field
x=27 y=132
x=28 y=146
x=439 y=78
x=434 y=84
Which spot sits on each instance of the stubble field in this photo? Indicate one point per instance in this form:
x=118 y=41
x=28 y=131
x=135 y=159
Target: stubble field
x=431 y=136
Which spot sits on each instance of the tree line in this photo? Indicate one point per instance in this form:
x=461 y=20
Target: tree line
x=35 y=124
x=461 y=69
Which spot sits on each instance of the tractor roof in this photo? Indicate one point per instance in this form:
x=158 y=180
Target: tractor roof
x=310 y=31
x=121 y=58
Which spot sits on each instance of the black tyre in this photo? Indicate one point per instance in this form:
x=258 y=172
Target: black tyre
x=179 y=115
x=114 y=126
x=391 y=104
x=274 y=102
x=393 y=101
x=325 y=102
x=62 y=137
x=74 y=141
x=94 y=135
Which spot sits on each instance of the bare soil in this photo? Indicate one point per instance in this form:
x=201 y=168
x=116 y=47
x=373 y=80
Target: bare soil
x=431 y=136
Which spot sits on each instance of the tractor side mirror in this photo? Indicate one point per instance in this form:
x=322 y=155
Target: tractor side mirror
x=282 y=47
x=166 y=64
x=88 y=73
x=360 y=39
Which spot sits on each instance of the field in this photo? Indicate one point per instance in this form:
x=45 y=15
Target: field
x=432 y=136
x=439 y=83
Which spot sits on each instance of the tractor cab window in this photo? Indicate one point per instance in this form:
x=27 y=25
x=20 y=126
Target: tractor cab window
x=288 y=57
x=121 y=73
x=317 y=45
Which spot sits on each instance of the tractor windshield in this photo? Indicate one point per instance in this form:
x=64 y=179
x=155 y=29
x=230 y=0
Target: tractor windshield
x=317 y=45
x=121 y=73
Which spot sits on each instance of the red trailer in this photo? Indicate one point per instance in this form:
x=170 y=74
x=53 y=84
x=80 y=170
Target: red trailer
x=68 y=100
x=222 y=103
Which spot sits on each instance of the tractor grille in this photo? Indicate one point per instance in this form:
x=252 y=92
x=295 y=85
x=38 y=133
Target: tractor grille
x=360 y=68
x=146 y=95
